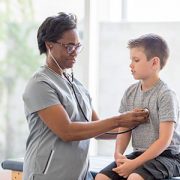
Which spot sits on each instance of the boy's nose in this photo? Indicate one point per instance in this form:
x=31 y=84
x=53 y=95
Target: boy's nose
x=131 y=65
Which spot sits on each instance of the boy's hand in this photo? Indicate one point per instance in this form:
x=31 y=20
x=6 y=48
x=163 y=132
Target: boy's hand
x=126 y=167
x=117 y=157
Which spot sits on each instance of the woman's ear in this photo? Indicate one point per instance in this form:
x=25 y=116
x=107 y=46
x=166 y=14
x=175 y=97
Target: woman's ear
x=48 y=45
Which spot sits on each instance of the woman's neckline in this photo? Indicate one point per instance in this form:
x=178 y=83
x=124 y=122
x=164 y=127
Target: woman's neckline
x=58 y=75
x=50 y=69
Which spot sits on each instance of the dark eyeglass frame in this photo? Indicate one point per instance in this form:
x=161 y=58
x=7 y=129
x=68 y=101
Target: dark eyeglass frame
x=70 y=48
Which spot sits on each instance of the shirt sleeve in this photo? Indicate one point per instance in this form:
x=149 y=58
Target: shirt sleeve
x=168 y=106
x=123 y=104
x=39 y=94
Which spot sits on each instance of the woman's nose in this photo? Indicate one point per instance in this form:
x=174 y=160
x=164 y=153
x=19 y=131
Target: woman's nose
x=74 y=53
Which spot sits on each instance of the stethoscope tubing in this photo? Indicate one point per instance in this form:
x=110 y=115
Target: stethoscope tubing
x=121 y=132
x=71 y=83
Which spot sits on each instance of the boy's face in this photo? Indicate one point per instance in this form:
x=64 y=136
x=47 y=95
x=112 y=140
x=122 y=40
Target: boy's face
x=141 y=68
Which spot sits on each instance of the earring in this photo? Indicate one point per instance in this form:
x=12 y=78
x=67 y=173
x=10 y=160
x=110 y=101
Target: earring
x=50 y=46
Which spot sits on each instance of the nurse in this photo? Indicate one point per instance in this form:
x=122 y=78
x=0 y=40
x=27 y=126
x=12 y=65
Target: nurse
x=58 y=109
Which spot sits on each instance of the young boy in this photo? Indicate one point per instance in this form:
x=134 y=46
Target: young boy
x=156 y=144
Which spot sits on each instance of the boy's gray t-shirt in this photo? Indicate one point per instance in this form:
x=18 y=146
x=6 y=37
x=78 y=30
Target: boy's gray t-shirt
x=47 y=156
x=163 y=106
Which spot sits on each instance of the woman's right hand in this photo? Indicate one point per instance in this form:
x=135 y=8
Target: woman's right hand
x=133 y=118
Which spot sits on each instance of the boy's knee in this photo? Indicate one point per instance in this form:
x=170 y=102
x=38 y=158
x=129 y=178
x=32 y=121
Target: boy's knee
x=135 y=176
x=101 y=177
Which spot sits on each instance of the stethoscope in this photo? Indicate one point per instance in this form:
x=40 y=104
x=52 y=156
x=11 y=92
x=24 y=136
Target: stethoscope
x=74 y=92
x=71 y=83
x=70 y=79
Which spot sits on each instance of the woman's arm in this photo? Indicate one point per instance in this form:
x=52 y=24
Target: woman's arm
x=56 y=118
x=165 y=137
x=103 y=136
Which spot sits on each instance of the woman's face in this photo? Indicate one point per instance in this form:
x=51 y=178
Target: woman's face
x=65 y=50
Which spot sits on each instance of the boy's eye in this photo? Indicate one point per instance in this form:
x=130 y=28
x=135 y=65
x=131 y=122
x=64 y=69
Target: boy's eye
x=136 y=60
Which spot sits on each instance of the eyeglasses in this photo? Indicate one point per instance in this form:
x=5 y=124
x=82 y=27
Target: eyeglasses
x=70 y=48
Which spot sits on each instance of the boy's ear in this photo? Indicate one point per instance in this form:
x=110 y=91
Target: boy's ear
x=156 y=62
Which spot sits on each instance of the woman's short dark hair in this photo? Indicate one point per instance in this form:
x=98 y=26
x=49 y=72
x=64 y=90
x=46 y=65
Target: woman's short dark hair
x=153 y=45
x=53 y=29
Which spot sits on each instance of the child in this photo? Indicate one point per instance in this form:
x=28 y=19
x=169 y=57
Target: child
x=156 y=144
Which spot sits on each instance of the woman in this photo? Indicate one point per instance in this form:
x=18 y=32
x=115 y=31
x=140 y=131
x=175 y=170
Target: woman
x=58 y=109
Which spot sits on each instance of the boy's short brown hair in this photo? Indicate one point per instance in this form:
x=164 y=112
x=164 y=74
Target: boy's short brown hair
x=153 y=45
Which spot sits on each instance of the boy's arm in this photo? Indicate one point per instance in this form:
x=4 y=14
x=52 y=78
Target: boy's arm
x=122 y=142
x=165 y=136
